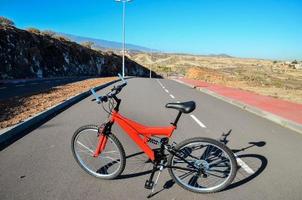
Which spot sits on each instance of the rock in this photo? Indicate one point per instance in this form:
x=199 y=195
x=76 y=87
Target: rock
x=28 y=55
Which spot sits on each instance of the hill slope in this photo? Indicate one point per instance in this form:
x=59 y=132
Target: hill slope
x=25 y=54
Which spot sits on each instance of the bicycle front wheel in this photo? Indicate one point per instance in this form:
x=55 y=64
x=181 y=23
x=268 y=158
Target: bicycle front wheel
x=202 y=165
x=109 y=164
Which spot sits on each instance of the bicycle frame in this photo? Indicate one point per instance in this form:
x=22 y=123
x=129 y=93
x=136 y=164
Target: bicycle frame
x=139 y=133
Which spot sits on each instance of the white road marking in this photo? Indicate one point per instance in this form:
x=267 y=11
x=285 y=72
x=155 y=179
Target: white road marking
x=178 y=101
x=20 y=85
x=244 y=166
x=160 y=83
x=173 y=97
x=167 y=90
x=198 y=122
x=34 y=83
x=1 y=88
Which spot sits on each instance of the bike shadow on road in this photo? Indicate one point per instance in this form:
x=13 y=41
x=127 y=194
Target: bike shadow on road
x=256 y=162
x=137 y=165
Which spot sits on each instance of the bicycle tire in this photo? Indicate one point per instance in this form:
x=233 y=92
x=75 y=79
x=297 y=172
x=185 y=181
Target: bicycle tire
x=98 y=173
x=216 y=144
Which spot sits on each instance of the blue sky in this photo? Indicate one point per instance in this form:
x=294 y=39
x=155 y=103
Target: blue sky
x=244 y=28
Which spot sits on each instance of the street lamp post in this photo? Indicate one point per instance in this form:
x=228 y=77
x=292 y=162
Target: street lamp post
x=124 y=10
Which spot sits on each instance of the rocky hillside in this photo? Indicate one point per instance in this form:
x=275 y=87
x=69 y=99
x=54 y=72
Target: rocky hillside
x=29 y=54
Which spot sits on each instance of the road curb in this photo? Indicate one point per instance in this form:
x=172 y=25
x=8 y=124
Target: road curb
x=12 y=132
x=267 y=115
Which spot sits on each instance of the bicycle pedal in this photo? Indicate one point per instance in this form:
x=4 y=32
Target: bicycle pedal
x=149 y=184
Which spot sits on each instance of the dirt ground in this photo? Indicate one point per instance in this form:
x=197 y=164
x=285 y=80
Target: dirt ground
x=16 y=110
x=266 y=77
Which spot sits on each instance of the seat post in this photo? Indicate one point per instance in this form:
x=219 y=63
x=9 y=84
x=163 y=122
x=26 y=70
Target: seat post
x=177 y=118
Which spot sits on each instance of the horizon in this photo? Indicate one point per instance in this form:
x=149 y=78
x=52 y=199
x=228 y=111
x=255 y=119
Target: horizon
x=258 y=30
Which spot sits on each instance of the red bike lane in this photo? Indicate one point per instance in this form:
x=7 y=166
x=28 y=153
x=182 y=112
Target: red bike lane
x=285 y=109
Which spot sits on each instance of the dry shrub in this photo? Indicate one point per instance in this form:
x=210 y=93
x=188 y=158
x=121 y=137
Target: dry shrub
x=33 y=30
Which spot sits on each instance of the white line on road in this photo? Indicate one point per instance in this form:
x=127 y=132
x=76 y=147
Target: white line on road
x=173 y=97
x=160 y=83
x=198 y=122
x=178 y=101
x=34 y=83
x=244 y=166
x=20 y=85
x=1 y=88
x=167 y=90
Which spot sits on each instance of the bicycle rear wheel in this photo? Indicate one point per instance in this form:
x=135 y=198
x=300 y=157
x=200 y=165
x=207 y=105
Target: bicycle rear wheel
x=109 y=164
x=214 y=164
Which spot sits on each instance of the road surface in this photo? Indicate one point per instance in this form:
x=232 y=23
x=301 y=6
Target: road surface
x=40 y=165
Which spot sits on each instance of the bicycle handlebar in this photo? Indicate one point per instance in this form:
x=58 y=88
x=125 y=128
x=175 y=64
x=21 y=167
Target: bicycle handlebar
x=114 y=91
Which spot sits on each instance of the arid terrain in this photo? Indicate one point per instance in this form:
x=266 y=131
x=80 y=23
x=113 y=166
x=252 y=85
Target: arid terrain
x=278 y=79
x=17 y=109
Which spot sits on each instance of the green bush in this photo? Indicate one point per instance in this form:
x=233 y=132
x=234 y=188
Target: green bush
x=6 y=22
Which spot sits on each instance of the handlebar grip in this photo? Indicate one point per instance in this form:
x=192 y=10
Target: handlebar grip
x=97 y=98
x=122 y=78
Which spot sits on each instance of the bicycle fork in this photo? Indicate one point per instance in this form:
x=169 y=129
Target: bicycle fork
x=103 y=130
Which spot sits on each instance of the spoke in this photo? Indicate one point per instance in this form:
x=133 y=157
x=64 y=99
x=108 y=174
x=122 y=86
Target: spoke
x=185 y=175
x=85 y=147
x=108 y=157
x=219 y=171
x=216 y=175
x=216 y=163
x=178 y=160
x=84 y=151
x=209 y=152
x=112 y=152
x=89 y=141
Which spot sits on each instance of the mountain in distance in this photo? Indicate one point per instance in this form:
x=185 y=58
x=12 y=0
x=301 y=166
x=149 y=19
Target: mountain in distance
x=106 y=44
x=112 y=45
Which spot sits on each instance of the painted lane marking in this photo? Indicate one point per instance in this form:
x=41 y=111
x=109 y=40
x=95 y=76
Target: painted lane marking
x=21 y=85
x=178 y=101
x=167 y=90
x=173 y=97
x=1 y=88
x=160 y=83
x=34 y=83
x=244 y=166
x=198 y=122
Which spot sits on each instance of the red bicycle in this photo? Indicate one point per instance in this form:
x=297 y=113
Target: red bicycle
x=198 y=164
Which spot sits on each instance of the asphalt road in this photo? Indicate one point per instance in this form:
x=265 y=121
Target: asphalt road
x=9 y=90
x=40 y=165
